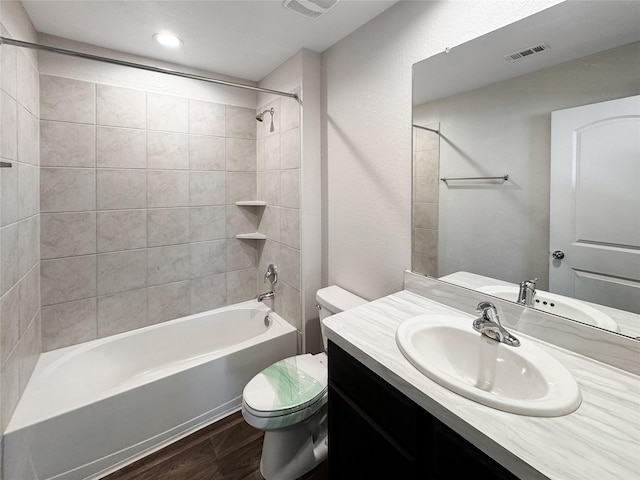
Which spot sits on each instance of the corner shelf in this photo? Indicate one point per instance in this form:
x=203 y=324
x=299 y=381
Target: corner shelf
x=251 y=236
x=251 y=203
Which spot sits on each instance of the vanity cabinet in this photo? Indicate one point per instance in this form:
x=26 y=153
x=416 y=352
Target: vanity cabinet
x=377 y=432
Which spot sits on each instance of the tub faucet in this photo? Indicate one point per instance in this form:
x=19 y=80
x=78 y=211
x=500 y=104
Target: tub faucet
x=490 y=326
x=272 y=275
x=265 y=296
x=527 y=293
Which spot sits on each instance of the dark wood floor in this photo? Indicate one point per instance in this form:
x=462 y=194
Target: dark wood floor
x=227 y=450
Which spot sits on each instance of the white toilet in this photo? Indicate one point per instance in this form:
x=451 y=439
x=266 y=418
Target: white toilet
x=288 y=400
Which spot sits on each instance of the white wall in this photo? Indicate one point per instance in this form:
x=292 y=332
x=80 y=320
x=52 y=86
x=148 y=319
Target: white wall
x=367 y=133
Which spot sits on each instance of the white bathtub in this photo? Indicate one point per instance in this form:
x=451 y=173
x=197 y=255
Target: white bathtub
x=91 y=408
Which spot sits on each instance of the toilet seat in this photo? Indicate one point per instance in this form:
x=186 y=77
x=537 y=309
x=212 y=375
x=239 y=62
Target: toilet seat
x=286 y=393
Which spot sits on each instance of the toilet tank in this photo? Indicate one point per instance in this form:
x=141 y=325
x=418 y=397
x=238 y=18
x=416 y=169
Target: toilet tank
x=332 y=300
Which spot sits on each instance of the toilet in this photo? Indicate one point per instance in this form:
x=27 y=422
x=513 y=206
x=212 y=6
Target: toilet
x=288 y=400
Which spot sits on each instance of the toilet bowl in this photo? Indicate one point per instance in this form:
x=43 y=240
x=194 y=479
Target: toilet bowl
x=288 y=400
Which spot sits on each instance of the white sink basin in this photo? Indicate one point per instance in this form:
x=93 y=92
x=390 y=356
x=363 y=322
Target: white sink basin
x=558 y=304
x=524 y=380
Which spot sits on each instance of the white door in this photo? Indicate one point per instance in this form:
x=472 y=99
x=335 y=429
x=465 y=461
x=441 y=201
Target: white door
x=595 y=203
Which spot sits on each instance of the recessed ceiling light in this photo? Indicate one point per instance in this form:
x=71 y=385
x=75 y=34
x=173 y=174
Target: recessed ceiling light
x=167 y=39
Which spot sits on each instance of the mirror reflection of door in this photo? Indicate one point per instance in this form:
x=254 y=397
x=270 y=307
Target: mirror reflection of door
x=595 y=203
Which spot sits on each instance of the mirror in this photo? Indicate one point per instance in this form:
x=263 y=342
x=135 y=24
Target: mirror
x=483 y=115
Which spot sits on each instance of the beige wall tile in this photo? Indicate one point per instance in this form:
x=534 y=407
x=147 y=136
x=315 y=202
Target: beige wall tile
x=290 y=117
x=28 y=244
x=208 y=293
x=241 y=155
x=27 y=88
x=67 y=100
x=9 y=258
x=167 y=264
x=10 y=393
x=9 y=130
x=167 y=150
x=121 y=147
x=8 y=195
x=66 y=144
x=290 y=188
x=290 y=266
x=206 y=118
x=67 y=234
x=269 y=187
x=167 y=188
x=241 y=285
x=68 y=324
x=121 y=107
x=241 y=122
x=270 y=222
x=208 y=258
x=241 y=220
x=9 y=323
x=29 y=294
x=290 y=227
x=207 y=223
x=121 y=230
x=241 y=254
x=167 y=302
x=167 y=113
x=240 y=186
x=272 y=152
x=207 y=188
x=30 y=348
x=67 y=189
x=120 y=189
x=121 y=271
x=121 y=312
x=206 y=153
x=28 y=190
x=425 y=215
x=28 y=137
x=167 y=226
x=290 y=152
x=67 y=279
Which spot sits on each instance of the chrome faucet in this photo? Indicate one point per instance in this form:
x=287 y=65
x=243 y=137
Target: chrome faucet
x=266 y=296
x=272 y=275
x=527 y=293
x=490 y=326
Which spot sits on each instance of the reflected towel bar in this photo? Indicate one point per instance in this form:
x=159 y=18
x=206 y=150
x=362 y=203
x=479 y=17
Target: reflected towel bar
x=502 y=177
x=5 y=164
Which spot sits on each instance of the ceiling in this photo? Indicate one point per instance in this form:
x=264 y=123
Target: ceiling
x=241 y=38
x=572 y=30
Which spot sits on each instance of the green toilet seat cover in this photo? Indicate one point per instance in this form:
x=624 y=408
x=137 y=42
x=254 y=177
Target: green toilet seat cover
x=287 y=386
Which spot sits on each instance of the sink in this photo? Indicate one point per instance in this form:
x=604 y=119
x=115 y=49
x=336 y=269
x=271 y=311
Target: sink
x=558 y=304
x=524 y=380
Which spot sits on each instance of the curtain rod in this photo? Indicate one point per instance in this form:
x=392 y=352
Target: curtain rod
x=123 y=63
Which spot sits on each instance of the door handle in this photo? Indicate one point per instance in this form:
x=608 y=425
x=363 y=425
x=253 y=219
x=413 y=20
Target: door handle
x=558 y=254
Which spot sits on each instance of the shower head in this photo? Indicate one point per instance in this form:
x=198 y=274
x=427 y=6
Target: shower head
x=260 y=117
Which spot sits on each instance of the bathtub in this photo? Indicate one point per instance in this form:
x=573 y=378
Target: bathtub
x=92 y=408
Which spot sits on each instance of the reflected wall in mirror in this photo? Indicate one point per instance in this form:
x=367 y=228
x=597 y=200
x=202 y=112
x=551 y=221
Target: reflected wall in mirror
x=493 y=118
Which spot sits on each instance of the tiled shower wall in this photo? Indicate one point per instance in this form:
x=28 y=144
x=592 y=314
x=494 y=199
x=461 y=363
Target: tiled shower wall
x=138 y=193
x=279 y=162
x=426 y=158
x=20 y=343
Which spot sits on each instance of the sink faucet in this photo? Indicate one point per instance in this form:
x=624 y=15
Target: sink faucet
x=527 y=293
x=272 y=275
x=490 y=326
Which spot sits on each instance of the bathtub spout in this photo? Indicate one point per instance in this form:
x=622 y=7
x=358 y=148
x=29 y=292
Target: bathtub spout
x=266 y=296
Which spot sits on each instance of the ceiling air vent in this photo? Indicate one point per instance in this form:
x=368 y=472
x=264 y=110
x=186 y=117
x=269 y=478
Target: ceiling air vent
x=527 y=52
x=309 y=8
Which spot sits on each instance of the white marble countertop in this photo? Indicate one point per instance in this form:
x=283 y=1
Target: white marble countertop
x=599 y=441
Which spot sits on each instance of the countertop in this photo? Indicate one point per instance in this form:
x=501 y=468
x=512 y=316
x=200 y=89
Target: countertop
x=599 y=441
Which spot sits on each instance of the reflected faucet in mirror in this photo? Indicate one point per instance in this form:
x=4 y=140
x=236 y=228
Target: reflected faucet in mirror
x=527 y=293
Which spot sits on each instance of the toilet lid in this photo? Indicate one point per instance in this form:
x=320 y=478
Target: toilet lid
x=286 y=386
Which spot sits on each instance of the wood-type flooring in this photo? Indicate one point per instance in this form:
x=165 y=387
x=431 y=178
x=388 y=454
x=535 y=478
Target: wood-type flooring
x=226 y=450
